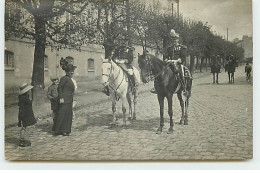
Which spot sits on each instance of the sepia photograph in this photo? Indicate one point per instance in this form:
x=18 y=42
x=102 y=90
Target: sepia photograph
x=128 y=80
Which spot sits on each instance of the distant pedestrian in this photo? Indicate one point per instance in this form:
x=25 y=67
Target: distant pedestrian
x=66 y=90
x=248 y=70
x=25 y=116
x=53 y=97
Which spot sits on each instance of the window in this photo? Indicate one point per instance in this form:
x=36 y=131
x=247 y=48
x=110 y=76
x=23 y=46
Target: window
x=70 y=59
x=91 y=65
x=9 y=59
x=46 y=66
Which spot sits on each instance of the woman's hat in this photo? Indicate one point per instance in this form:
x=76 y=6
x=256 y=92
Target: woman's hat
x=24 y=88
x=70 y=68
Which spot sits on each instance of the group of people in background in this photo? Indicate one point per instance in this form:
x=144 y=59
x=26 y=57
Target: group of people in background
x=60 y=94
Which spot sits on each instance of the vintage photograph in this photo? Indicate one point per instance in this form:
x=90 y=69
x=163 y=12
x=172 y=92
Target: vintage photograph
x=128 y=80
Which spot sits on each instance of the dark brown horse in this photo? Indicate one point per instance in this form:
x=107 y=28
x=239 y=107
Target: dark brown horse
x=230 y=67
x=167 y=83
x=215 y=70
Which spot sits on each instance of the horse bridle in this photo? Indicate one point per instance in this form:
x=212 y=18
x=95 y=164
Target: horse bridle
x=109 y=76
x=149 y=64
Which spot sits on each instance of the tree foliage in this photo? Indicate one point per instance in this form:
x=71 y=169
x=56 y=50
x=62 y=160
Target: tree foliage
x=109 y=23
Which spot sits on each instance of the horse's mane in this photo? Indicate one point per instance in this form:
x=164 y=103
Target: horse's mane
x=157 y=60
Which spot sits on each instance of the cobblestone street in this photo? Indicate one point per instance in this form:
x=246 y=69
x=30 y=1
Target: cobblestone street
x=220 y=127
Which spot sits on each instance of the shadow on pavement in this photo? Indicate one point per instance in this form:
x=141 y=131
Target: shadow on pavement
x=45 y=127
x=12 y=140
x=106 y=119
x=98 y=120
x=238 y=81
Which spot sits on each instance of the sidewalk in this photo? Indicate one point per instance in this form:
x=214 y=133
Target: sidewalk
x=89 y=93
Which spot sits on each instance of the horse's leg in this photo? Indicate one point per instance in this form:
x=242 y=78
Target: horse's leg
x=161 y=103
x=113 y=99
x=124 y=109
x=229 y=77
x=170 y=112
x=182 y=107
x=213 y=77
x=128 y=96
x=135 y=102
x=217 y=78
x=233 y=77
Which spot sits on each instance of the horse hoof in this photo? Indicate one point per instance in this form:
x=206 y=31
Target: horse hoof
x=113 y=125
x=134 y=118
x=181 y=121
x=185 y=122
x=129 y=118
x=170 y=131
x=159 y=131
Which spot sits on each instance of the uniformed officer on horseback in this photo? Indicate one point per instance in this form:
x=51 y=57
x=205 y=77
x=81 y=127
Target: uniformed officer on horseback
x=215 y=62
x=171 y=56
x=123 y=56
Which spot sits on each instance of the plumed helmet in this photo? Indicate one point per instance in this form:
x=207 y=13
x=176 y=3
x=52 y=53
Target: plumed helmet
x=174 y=34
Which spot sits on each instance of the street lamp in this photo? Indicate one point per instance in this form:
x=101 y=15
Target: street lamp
x=176 y=1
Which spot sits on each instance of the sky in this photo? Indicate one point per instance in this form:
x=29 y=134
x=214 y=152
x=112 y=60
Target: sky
x=236 y=15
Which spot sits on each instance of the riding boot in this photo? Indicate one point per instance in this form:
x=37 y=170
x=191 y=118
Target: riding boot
x=132 y=80
x=133 y=83
x=183 y=83
x=106 y=90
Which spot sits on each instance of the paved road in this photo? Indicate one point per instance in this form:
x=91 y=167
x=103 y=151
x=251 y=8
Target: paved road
x=220 y=127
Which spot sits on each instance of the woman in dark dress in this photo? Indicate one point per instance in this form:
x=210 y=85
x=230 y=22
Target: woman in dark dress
x=66 y=90
x=25 y=116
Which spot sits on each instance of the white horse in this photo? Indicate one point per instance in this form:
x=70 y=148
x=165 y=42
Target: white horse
x=120 y=88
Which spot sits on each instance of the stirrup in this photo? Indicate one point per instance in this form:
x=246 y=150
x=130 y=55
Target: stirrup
x=153 y=91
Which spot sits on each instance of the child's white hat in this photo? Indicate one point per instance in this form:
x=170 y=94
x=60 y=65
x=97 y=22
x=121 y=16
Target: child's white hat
x=24 y=88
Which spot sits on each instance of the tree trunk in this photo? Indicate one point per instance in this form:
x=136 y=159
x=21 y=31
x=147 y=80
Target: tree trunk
x=206 y=63
x=201 y=63
x=38 y=66
x=191 y=63
x=39 y=52
x=108 y=51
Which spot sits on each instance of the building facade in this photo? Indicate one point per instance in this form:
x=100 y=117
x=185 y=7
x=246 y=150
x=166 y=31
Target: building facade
x=19 y=56
x=247 y=44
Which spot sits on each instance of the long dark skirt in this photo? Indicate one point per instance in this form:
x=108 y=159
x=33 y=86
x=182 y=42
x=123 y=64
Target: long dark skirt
x=64 y=119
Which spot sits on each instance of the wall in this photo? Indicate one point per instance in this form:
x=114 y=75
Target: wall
x=23 y=63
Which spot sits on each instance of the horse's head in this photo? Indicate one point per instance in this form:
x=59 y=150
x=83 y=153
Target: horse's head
x=106 y=72
x=144 y=62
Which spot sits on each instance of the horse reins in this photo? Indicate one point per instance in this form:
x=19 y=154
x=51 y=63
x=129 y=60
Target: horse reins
x=150 y=69
x=109 y=76
x=158 y=74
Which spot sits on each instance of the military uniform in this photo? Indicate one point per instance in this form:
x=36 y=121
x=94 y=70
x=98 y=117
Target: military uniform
x=124 y=56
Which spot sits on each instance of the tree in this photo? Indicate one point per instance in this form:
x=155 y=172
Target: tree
x=111 y=24
x=40 y=21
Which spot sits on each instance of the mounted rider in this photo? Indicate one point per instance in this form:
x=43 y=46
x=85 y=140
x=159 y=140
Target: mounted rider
x=124 y=56
x=216 y=62
x=176 y=56
x=230 y=60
